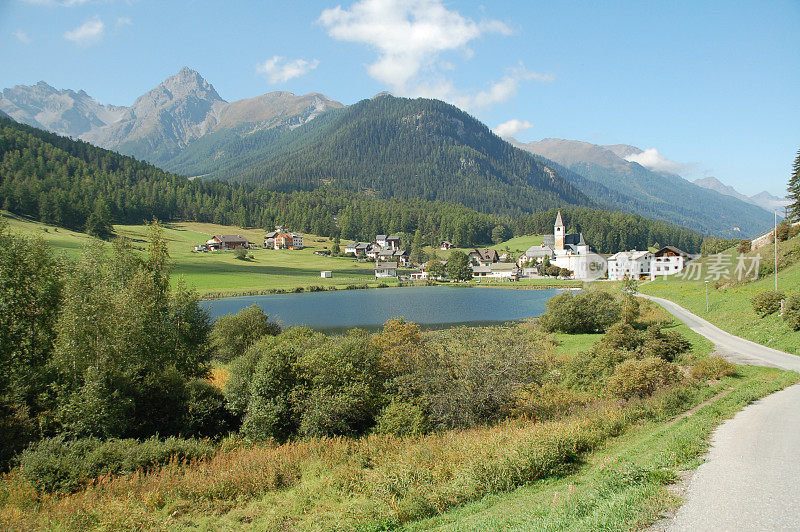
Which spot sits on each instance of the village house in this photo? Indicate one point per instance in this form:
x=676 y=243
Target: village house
x=629 y=265
x=483 y=257
x=385 y=269
x=668 y=260
x=288 y=241
x=445 y=245
x=499 y=270
x=219 y=242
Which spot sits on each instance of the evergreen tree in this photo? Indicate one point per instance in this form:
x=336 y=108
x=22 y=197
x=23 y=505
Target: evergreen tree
x=458 y=268
x=794 y=190
x=417 y=253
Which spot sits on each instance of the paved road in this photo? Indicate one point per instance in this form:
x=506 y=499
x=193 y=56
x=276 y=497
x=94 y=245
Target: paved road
x=751 y=479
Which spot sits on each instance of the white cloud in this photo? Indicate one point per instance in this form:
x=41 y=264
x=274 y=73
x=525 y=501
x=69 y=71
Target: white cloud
x=512 y=127
x=87 y=33
x=22 y=36
x=277 y=69
x=502 y=90
x=122 y=21
x=652 y=159
x=408 y=36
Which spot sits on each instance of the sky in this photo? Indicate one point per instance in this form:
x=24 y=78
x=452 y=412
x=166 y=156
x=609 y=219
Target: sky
x=705 y=88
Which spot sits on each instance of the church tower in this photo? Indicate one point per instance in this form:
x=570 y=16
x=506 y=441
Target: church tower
x=558 y=232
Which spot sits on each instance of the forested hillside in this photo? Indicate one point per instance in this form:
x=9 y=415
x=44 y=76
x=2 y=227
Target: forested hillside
x=65 y=182
x=402 y=148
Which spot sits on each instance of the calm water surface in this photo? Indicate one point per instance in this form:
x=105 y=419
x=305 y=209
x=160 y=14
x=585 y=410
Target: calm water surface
x=431 y=306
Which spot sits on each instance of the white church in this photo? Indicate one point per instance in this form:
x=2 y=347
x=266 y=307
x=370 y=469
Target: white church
x=568 y=251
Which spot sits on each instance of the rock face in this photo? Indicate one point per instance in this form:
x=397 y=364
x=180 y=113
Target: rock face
x=62 y=111
x=179 y=110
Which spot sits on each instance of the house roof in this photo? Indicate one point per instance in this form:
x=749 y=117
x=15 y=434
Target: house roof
x=549 y=240
x=486 y=254
x=628 y=255
x=670 y=249
x=385 y=265
x=230 y=238
x=393 y=237
x=380 y=237
x=271 y=234
x=503 y=266
x=539 y=251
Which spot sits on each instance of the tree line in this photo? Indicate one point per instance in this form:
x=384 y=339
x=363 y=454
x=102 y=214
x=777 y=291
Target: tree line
x=76 y=185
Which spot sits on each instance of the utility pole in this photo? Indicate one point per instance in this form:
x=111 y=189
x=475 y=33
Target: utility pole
x=775 y=240
x=707 y=307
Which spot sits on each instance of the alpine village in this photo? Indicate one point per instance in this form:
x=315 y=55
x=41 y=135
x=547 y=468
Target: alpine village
x=367 y=280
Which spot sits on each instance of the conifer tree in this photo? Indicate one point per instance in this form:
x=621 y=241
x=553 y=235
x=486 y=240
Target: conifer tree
x=794 y=190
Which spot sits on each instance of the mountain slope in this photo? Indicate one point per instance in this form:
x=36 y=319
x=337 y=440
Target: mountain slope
x=763 y=199
x=659 y=195
x=161 y=122
x=403 y=148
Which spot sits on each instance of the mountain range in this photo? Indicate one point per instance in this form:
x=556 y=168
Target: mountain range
x=660 y=195
x=763 y=199
x=160 y=122
x=382 y=147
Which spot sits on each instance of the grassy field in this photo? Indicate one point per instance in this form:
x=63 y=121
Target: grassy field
x=730 y=306
x=221 y=273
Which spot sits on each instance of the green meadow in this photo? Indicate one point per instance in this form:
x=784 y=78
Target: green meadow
x=730 y=305
x=220 y=273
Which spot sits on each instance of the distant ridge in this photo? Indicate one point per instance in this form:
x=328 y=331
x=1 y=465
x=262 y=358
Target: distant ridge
x=661 y=195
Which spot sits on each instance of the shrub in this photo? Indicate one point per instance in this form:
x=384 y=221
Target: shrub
x=792 y=312
x=402 y=419
x=712 y=368
x=59 y=465
x=586 y=312
x=234 y=333
x=663 y=344
x=641 y=378
x=744 y=246
x=549 y=401
x=767 y=302
x=206 y=415
x=240 y=253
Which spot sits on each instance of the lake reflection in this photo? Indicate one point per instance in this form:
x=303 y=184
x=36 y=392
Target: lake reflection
x=430 y=306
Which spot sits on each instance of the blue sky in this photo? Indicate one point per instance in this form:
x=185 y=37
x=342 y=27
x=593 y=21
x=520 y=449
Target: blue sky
x=710 y=87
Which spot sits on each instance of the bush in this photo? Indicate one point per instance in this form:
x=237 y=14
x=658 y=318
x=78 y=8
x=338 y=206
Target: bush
x=59 y=465
x=768 y=302
x=744 y=246
x=402 y=419
x=641 y=378
x=234 y=333
x=206 y=415
x=586 y=312
x=240 y=253
x=792 y=312
x=712 y=368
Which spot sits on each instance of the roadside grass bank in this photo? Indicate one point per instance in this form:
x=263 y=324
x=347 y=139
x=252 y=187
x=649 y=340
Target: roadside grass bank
x=623 y=484
x=730 y=307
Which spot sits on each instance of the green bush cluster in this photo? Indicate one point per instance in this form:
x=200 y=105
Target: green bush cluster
x=767 y=302
x=590 y=311
x=792 y=312
x=233 y=334
x=59 y=465
x=641 y=377
x=712 y=367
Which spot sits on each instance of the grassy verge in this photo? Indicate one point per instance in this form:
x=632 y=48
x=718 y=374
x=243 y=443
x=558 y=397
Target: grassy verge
x=622 y=485
x=730 y=306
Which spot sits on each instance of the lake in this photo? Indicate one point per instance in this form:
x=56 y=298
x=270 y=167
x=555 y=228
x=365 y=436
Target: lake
x=430 y=306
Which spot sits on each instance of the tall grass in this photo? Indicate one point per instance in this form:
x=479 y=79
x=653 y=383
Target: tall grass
x=369 y=483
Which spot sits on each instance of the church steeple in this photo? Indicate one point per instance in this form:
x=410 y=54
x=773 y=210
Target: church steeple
x=559 y=232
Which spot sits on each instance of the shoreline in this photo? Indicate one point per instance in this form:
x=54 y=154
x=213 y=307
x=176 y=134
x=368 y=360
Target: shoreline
x=562 y=284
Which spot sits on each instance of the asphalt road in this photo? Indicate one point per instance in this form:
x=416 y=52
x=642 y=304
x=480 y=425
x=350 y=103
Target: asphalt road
x=751 y=479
